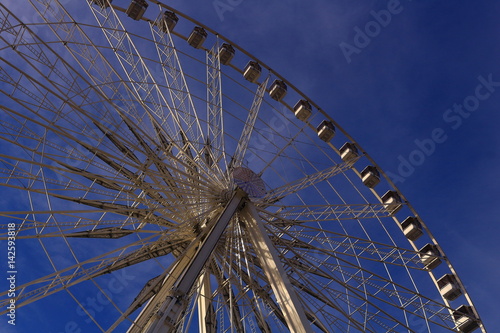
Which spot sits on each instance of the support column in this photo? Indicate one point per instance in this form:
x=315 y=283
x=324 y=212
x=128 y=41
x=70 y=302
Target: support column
x=285 y=294
x=206 y=316
x=165 y=308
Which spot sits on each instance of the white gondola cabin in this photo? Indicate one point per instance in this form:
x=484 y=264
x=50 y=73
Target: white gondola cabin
x=465 y=320
x=412 y=228
x=392 y=200
x=136 y=9
x=302 y=110
x=348 y=152
x=429 y=255
x=448 y=286
x=197 y=37
x=102 y=3
x=370 y=176
x=168 y=21
x=226 y=53
x=326 y=130
x=278 y=90
x=252 y=71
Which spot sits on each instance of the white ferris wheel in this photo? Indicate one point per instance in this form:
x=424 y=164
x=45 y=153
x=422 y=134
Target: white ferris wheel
x=152 y=163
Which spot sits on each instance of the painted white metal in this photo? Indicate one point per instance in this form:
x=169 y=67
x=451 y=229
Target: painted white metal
x=206 y=317
x=285 y=295
x=247 y=131
x=310 y=180
x=163 y=311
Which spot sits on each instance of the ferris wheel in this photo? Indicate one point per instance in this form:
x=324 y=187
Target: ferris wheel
x=156 y=168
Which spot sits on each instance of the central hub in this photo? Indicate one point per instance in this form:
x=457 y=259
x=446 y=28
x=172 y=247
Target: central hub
x=249 y=182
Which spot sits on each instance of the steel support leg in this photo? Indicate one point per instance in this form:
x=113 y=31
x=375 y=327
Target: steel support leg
x=165 y=309
x=285 y=295
x=206 y=315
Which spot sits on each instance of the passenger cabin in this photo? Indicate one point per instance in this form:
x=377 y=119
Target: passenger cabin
x=226 y=53
x=392 y=200
x=102 y=3
x=168 y=21
x=326 y=130
x=197 y=37
x=277 y=90
x=370 y=176
x=465 y=319
x=302 y=110
x=136 y=9
x=448 y=286
x=252 y=71
x=412 y=228
x=348 y=152
x=429 y=255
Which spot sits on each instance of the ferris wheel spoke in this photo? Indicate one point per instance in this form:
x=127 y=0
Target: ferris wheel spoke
x=35 y=224
x=214 y=149
x=184 y=160
x=310 y=314
x=115 y=142
x=75 y=274
x=320 y=241
x=299 y=287
x=249 y=125
x=15 y=178
x=139 y=74
x=344 y=315
x=215 y=121
x=50 y=126
x=106 y=80
x=206 y=302
x=96 y=178
x=250 y=277
x=379 y=283
x=355 y=319
x=179 y=91
x=71 y=173
x=383 y=289
x=102 y=233
x=299 y=214
x=118 y=143
x=53 y=67
x=235 y=266
x=310 y=180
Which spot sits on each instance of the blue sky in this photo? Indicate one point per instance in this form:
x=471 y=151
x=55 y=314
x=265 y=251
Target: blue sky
x=396 y=91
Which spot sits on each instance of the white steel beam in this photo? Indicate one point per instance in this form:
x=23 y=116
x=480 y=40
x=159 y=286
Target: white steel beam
x=305 y=182
x=215 y=123
x=164 y=310
x=206 y=315
x=247 y=131
x=288 y=300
